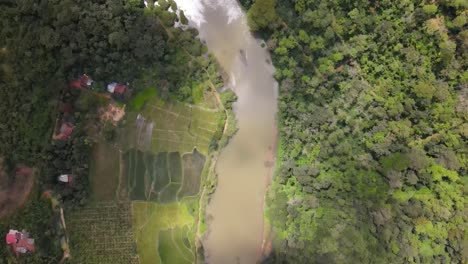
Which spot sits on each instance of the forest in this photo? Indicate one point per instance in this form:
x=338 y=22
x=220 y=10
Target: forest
x=373 y=111
x=47 y=43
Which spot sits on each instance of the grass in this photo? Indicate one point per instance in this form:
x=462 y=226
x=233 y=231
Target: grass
x=149 y=219
x=139 y=100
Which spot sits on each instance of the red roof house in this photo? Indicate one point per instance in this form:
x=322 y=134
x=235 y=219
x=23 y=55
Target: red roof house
x=83 y=82
x=65 y=132
x=20 y=241
x=117 y=88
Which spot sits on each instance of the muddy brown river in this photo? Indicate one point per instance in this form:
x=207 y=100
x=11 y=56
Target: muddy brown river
x=236 y=209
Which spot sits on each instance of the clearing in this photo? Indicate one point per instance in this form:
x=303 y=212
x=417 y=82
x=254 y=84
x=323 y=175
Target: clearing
x=15 y=189
x=104 y=171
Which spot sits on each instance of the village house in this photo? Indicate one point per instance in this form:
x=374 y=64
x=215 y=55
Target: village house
x=66 y=178
x=20 y=242
x=83 y=82
x=65 y=132
x=117 y=88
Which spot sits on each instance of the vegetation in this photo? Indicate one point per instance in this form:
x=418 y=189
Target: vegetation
x=193 y=168
x=102 y=233
x=180 y=127
x=153 y=243
x=174 y=247
x=43 y=45
x=373 y=130
x=261 y=14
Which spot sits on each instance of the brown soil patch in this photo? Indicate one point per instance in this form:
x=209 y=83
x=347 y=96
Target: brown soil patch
x=112 y=113
x=15 y=188
x=104 y=172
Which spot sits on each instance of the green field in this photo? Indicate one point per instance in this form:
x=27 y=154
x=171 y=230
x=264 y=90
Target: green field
x=180 y=127
x=161 y=178
x=165 y=177
x=162 y=232
x=174 y=246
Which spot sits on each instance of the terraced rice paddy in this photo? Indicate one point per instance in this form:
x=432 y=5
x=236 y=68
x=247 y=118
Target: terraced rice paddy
x=179 y=127
x=165 y=177
x=164 y=233
x=174 y=246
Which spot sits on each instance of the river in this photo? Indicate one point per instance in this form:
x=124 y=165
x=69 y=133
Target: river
x=244 y=167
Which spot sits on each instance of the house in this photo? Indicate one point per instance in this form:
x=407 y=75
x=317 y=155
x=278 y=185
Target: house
x=20 y=241
x=83 y=82
x=65 y=131
x=65 y=178
x=117 y=88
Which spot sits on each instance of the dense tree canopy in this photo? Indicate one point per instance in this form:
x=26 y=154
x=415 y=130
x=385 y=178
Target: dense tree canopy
x=262 y=14
x=373 y=131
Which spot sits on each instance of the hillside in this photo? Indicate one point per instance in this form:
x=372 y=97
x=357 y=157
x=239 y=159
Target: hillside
x=373 y=130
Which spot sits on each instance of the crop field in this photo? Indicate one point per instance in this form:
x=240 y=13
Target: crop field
x=155 y=167
x=175 y=165
x=175 y=247
x=102 y=233
x=179 y=127
x=164 y=232
x=193 y=167
x=104 y=172
x=164 y=177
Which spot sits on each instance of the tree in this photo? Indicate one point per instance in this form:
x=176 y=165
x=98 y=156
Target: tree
x=261 y=14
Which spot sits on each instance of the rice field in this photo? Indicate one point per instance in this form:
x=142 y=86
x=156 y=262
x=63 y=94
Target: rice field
x=164 y=233
x=155 y=169
x=180 y=127
x=174 y=246
x=164 y=177
x=193 y=167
